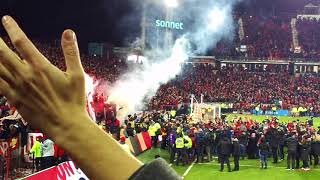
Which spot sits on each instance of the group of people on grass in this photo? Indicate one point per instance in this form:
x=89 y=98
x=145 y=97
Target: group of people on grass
x=240 y=138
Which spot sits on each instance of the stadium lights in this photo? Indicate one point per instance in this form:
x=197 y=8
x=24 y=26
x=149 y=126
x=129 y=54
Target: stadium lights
x=171 y=3
x=136 y=59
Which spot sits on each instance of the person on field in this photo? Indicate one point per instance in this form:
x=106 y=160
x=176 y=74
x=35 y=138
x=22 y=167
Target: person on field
x=225 y=148
x=264 y=151
x=236 y=153
x=180 y=149
x=292 y=144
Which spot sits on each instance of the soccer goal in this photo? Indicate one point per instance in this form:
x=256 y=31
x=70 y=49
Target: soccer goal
x=205 y=112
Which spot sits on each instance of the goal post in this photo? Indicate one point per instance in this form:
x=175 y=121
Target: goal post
x=206 y=112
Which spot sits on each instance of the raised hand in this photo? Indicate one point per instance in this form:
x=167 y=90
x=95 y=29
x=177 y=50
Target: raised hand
x=53 y=101
x=43 y=94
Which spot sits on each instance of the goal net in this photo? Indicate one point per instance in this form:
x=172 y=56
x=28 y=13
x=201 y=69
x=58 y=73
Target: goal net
x=206 y=112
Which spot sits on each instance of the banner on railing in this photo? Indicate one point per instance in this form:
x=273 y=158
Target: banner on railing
x=272 y=113
x=64 y=171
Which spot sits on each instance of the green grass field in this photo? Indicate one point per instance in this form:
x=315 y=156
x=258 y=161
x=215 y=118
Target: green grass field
x=249 y=169
x=283 y=119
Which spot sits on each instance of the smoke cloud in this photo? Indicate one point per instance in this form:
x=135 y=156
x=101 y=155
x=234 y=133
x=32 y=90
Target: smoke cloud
x=206 y=22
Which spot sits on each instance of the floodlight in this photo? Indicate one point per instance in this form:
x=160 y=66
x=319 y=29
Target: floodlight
x=171 y=3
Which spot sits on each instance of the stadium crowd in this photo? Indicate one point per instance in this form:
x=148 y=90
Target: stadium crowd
x=271 y=38
x=244 y=89
x=267 y=38
x=309 y=37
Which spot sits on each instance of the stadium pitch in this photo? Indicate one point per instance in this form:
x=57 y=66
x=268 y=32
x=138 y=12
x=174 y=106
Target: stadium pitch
x=249 y=169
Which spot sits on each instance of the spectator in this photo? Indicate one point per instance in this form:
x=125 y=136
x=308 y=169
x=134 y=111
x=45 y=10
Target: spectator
x=47 y=148
x=37 y=153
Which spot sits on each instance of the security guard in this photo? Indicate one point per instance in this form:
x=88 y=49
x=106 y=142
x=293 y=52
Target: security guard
x=153 y=129
x=180 y=149
x=188 y=147
x=36 y=149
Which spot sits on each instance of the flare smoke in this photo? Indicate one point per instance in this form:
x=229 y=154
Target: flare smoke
x=206 y=23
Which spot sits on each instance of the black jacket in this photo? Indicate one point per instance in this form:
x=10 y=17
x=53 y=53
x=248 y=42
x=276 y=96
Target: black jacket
x=292 y=144
x=305 y=151
x=264 y=148
x=235 y=148
x=225 y=147
x=130 y=131
x=315 y=148
x=274 y=139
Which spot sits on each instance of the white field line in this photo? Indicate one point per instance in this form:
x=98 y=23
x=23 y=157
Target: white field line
x=188 y=170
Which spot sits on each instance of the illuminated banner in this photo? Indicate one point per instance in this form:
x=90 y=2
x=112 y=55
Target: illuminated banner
x=169 y=24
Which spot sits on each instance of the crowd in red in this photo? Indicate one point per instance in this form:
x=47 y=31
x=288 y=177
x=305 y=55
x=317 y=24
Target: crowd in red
x=242 y=88
x=271 y=38
x=237 y=86
x=309 y=38
x=267 y=38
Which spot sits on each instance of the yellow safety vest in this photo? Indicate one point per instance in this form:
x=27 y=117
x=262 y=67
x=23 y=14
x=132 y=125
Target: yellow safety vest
x=188 y=144
x=179 y=143
x=36 y=149
x=294 y=110
x=132 y=124
x=173 y=113
x=152 y=130
x=179 y=130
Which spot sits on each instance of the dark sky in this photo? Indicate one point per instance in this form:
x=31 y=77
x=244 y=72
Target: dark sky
x=95 y=20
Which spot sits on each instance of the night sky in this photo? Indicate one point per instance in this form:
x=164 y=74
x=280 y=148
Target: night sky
x=99 y=20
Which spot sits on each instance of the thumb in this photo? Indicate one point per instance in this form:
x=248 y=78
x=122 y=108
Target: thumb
x=71 y=52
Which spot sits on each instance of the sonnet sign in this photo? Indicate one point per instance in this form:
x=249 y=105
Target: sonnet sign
x=169 y=24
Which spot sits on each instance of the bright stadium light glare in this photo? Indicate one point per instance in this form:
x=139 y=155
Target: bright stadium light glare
x=216 y=19
x=171 y=3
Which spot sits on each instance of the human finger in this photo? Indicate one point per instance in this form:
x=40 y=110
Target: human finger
x=8 y=58
x=6 y=75
x=6 y=89
x=71 y=53
x=21 y=42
